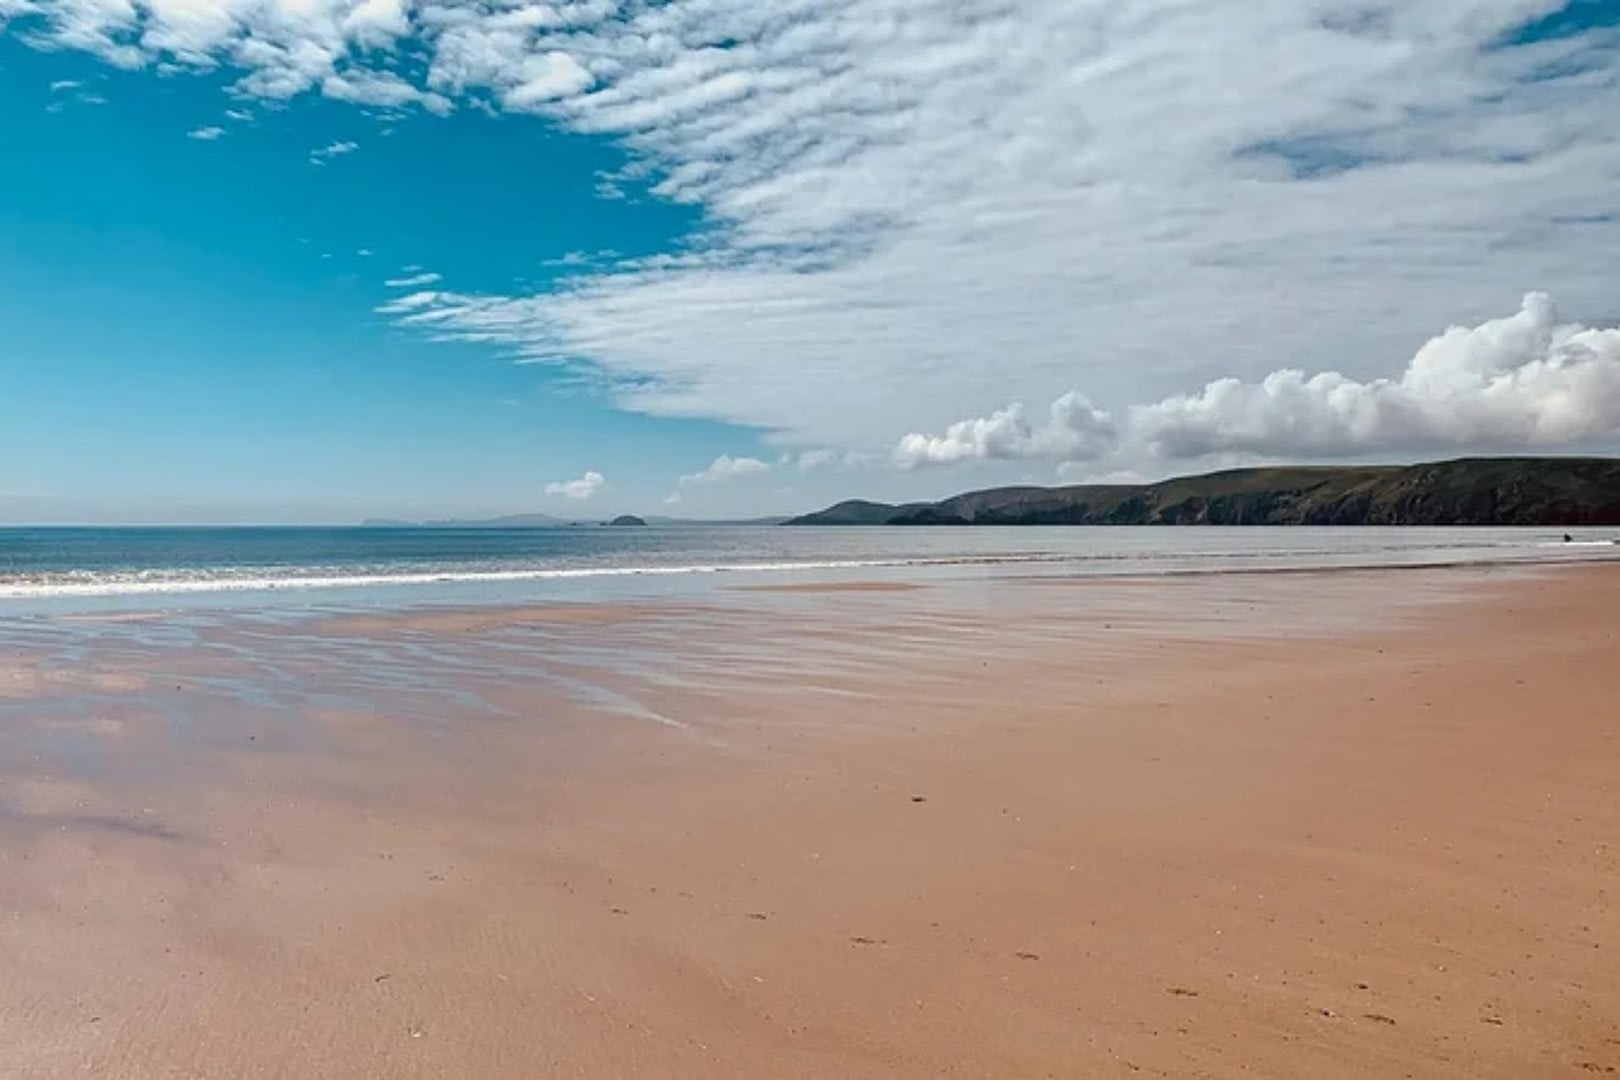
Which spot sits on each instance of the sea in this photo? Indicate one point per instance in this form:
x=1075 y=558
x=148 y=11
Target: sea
x=159 y=569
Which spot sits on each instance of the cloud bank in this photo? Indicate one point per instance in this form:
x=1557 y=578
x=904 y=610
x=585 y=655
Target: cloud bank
x=586 y=487
x=914 y=212
x=1074 y=431
x=1524 y=382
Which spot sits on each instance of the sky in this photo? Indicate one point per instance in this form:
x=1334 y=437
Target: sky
x=322 y=260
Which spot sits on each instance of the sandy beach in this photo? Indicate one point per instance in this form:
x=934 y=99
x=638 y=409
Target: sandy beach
x=1313 y=825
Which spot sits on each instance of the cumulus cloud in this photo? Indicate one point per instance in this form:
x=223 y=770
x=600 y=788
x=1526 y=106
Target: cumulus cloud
x=914 y=211
x=333 y=150
x=724 y=468
x=579 y=490
x=1074 y=430
x=1525 y=382
x=205 y=134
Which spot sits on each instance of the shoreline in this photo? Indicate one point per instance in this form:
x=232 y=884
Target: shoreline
x=410 y=593
x=1213 y=827
x=248 y=572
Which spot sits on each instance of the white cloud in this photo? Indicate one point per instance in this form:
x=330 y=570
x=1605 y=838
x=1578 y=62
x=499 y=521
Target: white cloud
x=410 y=303
x=1525 y=382
x=579 y=490
x=724 y=468
x=64 y=92
x=972 y=203
x=334 y=150
x=1074 y=431
x=414 y=281
x=241 y=116
x=543 y=79
x=914 y=212
x=384 y=90
x=376 y=23
x=206 y=134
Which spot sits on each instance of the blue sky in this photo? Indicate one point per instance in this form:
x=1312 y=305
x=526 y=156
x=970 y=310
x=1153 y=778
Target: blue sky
x=193 y=321
x=324 y=260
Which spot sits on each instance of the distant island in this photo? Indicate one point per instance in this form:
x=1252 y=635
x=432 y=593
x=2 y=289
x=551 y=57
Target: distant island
x=546 y=521
x=511 y=521
x=1470 y=491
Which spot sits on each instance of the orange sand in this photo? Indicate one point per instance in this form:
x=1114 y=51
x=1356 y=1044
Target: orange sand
x=1384 y=853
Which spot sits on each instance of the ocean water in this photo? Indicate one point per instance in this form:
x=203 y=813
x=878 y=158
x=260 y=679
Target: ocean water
x=162 y=568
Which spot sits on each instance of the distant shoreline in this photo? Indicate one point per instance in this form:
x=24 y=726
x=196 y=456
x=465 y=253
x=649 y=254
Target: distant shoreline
x=541 y=521
x=1529 y=492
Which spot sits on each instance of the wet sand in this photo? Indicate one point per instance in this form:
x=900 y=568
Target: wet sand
x=835 y=587
x=1328 y=825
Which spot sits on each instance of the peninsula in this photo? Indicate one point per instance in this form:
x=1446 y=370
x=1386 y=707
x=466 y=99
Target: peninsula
x=1468 y=491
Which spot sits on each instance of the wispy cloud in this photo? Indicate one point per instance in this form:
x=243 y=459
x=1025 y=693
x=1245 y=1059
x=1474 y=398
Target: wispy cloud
x=414 y=281
x=410 y=304
x=241 y=116
x=333 y=150
x=205 y=134
x=586 y=487
x=64 y=92
x=382 y=89
x=1007 y=220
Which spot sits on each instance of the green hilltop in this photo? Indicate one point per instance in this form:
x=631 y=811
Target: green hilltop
x=1470 y=491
